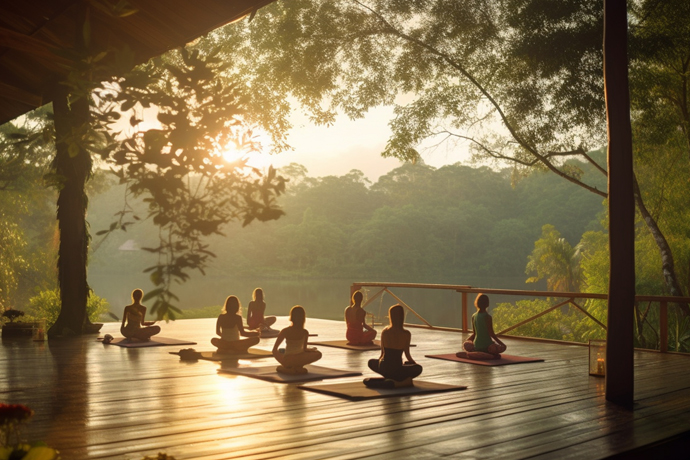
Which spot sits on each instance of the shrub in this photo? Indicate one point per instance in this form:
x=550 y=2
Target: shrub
x=46 y=306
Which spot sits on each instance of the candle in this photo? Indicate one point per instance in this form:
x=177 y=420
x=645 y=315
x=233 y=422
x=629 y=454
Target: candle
x=600 y=366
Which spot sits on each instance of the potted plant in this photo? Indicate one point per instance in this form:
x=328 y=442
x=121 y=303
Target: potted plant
x=12 y=417
x=16 y=328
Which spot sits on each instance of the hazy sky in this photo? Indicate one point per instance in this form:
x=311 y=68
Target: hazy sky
x=348 y=145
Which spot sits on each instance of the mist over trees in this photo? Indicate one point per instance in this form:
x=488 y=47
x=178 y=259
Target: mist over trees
x=416 y=224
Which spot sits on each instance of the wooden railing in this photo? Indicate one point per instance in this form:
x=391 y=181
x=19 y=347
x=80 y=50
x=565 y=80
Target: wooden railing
x=571 y=299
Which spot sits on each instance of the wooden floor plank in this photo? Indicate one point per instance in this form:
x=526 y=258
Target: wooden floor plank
x=94 y=401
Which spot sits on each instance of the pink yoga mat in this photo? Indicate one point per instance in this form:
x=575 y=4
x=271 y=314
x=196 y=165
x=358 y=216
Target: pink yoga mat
x=505 y=360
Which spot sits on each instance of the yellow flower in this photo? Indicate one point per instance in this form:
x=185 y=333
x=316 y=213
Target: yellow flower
x=5 y=453
x=31 y=453
x=41 y=453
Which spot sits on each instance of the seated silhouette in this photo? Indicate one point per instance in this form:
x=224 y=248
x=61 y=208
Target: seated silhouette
x=229 y=327
x=483 y=344
x=395 y=340
x=358 y=331
x=255 y=312
x=134 y=327
x=296 y=354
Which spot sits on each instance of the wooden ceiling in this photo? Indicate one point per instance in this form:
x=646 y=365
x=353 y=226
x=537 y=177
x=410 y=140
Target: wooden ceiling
x=32 y=30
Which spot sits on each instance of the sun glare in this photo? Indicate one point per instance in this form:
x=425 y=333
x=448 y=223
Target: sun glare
x=257 y=160
x=231 y=155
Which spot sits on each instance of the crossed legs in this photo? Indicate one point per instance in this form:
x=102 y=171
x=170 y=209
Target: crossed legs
x=236 y=346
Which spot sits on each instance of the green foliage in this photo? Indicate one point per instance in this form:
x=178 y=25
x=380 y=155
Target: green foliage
x=211 y=311
x=12 y=314
x=555 y=260
x=190 y=189
x=46 y=306
x=27 y=225
x=12 y=262
x=465 y=67
x=415 y=223
x=563 y=323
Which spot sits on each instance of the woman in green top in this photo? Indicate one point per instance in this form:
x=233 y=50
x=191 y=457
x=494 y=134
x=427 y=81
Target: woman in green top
x=483 y=343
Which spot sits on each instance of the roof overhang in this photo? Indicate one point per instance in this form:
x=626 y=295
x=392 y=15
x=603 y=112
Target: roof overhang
x=31 y=32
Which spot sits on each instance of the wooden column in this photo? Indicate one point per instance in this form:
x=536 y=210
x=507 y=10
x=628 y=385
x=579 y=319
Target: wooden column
x=619 y=346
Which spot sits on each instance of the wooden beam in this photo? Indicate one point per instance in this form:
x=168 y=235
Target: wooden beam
x=19 y=95
x=30 y=45
x=619 y=336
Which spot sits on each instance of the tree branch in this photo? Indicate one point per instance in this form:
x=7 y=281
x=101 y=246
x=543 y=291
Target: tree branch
x=390 y=29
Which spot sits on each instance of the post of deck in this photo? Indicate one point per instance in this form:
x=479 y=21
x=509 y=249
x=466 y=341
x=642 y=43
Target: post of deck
x=663 y=326
x=619 y=336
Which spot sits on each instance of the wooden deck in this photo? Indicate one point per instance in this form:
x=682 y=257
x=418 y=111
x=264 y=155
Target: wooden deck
x=95 y=401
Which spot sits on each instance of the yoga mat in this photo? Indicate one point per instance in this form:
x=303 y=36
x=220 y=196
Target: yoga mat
x=344 y=344
x=253 y=353
x=274 y=333
x=269 y=373
x=154 y=342
x=505 y=360
x=356 y=391
x=269 y=333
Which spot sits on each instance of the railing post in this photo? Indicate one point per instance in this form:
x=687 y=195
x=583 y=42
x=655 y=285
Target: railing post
x=663 y=326
x=464 y=312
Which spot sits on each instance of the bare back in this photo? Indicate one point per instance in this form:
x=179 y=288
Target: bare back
x=354 y=316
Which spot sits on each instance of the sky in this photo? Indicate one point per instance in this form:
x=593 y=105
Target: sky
x=349 y=144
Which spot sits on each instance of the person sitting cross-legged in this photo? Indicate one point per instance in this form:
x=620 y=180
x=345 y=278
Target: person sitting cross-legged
x=256 y=310
x=296 y=354
x=133 y=325
x=395 y=340
x=483 y=344
x=358 y=331
x=229 y=327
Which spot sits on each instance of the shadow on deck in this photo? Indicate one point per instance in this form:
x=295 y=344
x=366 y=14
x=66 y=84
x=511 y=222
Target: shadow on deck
x=94 y=401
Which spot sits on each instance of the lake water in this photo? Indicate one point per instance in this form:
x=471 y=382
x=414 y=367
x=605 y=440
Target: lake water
x=322 y=298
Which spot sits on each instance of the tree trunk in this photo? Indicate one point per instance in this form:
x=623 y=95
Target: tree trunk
x=72 y=166
x=73 y=172
x=667 y=265
x=620 y=331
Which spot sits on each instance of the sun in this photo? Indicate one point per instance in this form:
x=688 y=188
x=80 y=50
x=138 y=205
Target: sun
x=254 y=159
x=232 y=154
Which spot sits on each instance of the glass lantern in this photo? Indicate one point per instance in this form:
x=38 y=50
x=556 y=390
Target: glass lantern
x=39 y=331
x=597 y=358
